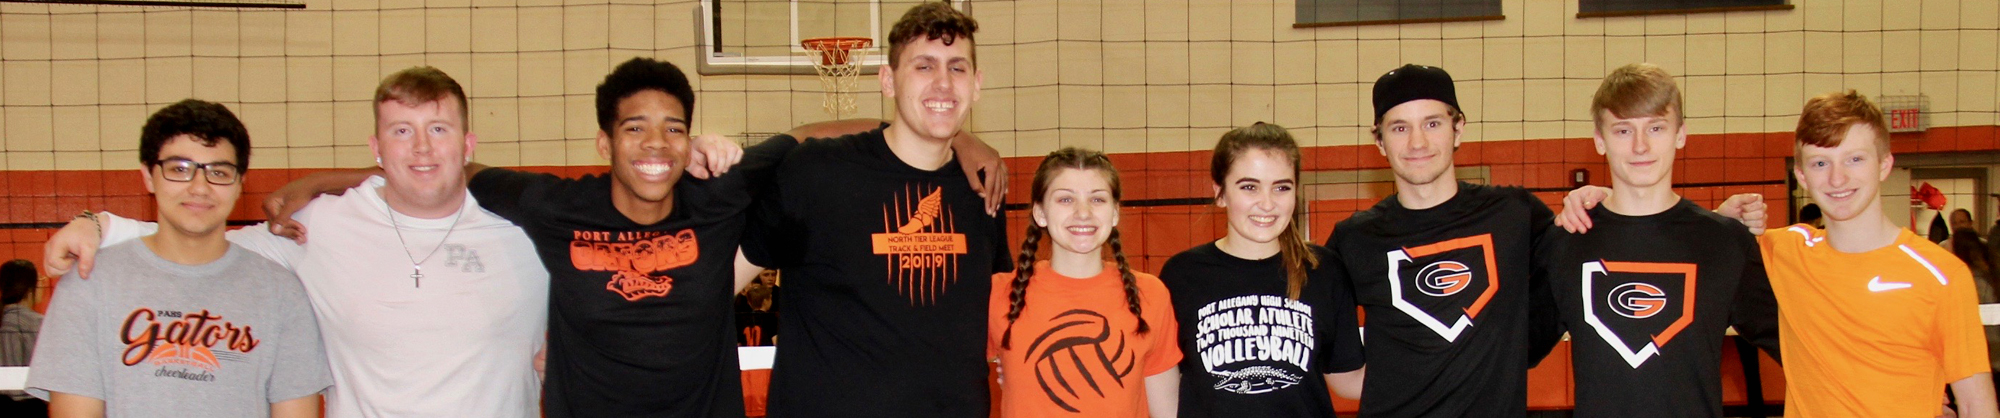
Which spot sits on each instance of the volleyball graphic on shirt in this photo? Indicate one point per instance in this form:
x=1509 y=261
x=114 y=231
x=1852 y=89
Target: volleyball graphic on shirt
x=1079 y=356
x=1444 y=285
x=1638 y=307
x=1255 y=343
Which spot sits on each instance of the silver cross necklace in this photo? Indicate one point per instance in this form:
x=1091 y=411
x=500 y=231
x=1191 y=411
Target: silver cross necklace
x=417 y=266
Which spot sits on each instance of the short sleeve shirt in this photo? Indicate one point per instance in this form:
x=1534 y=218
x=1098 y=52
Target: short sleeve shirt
x=1064 y=319
x=640 y=321
x=1249 y=349
x=1447 y=294
x=886 y=272
x=151 y=337
x=1646 y=300
x=1871 y=334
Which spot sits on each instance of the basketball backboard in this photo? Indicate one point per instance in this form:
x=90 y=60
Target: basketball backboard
x=762 y=36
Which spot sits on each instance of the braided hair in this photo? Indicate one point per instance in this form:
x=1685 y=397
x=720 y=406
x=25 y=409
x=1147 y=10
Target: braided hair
x=1070 y=158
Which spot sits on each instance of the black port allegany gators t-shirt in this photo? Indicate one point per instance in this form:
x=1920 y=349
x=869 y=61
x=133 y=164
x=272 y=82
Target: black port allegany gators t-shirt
x=1247 y=349
x=640 y=316
x=887 y=272
x=1646 y=299
x=1447 y=294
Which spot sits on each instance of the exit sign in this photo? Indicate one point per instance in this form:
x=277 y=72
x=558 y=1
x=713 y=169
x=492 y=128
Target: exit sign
x=1906 y=113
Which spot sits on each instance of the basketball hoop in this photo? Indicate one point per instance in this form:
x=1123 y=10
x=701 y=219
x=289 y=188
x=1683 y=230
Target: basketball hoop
x=838 y=61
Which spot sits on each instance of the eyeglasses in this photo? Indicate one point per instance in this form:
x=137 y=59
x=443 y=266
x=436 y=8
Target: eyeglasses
x=182 y=170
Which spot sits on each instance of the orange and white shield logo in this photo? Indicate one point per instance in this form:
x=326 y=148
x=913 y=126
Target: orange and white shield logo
x=1638 y=307
x=1446 y=284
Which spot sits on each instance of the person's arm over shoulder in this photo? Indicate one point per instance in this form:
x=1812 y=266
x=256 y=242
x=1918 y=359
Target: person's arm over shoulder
x=512 y=194
x=760 y=163
x=256 y=238
x=67 y=360
x=293 y=196
x=983 y=165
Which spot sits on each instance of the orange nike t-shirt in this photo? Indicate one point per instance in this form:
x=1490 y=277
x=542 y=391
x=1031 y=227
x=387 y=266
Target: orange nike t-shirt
x=1874 y=334
x=1076 y=349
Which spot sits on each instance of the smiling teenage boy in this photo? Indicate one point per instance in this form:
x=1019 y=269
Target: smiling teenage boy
x=1441 y=267
x=1876 y=320
x=442 y=325
x=182 y=322
x=1647 y=293
x=887 y=252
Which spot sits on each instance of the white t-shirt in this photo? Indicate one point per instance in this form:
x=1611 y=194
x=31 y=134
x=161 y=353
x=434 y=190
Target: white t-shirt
x=461 y=344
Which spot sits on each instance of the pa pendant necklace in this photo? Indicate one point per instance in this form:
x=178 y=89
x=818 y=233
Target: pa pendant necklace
x=417 y=266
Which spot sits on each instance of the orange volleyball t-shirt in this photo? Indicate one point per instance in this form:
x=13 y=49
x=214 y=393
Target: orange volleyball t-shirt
x=1076 y=349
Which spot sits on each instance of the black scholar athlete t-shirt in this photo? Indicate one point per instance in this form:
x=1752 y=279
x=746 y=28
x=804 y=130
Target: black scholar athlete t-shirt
x=1247 y=349
x=887 y=272
x=1646 y=300
x=640 y=322
x=1447 y=293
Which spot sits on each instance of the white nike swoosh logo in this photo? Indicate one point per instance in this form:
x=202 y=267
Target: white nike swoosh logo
x=1877 y=285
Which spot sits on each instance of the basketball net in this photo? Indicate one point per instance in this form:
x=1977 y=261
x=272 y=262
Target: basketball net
x=838 y=61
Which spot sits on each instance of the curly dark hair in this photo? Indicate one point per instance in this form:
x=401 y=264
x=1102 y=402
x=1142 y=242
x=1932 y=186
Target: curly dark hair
x=208 y=122
x=17 y=280
x=931 y=20
x=641 y=74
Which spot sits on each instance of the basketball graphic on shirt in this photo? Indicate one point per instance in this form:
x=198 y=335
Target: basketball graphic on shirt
x=1079 y=356
x=186 y=345
x=919 y=243
x=170 y=354
x=1444 y=285
x=1638 y=307
x=637 y=260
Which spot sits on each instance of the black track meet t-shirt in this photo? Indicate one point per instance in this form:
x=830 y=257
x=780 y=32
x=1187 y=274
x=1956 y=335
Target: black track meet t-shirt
x=1247 y=350
x=887 y=272
x=1646 y=300
x=1447 y=293
x=640 y=316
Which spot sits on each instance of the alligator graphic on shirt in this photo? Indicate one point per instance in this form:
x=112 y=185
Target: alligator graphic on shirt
x=1255 y=380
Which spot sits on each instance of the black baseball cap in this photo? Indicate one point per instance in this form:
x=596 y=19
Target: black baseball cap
x=1413 y=82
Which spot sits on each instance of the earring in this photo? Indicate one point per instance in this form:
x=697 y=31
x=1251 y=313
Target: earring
x=378 y=161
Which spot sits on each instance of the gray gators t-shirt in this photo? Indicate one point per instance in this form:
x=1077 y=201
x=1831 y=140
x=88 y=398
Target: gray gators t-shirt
x=154 y=338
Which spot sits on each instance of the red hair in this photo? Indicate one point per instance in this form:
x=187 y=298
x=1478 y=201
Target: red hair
x=1827 y=117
